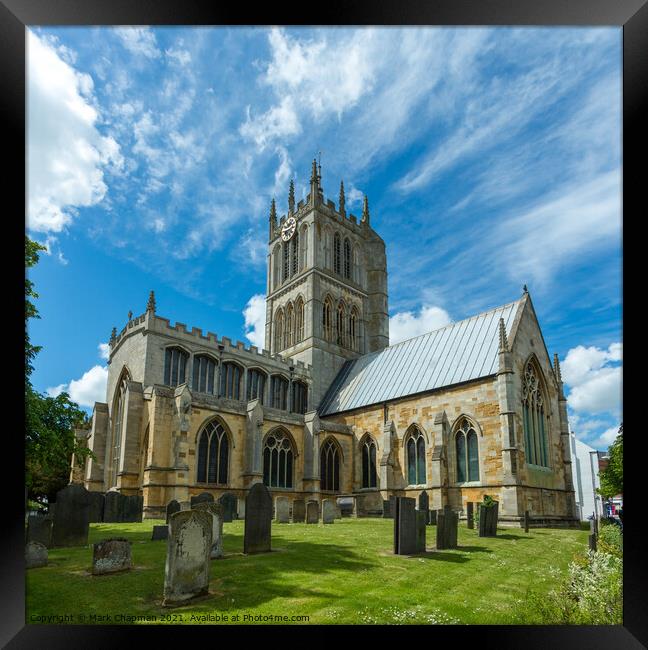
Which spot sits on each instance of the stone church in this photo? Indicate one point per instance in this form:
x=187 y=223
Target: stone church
x=329 y=408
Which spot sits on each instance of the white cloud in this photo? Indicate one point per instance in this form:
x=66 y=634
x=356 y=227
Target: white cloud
x=87 y=390
x=406 y=325
x=104 y=350
x=139 y=41
x=55 y=391
x=181 y=57
x=255 y=317
x=607 y=437
x=66 y=155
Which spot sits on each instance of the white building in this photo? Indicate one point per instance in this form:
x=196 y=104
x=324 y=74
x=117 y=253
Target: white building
x=585 y=468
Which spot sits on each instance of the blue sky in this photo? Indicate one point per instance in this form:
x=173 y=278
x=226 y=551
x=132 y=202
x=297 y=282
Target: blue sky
x=491 y=159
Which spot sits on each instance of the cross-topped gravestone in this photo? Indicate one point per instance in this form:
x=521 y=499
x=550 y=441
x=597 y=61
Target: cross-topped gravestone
x=71 y=517
x=405 y=526
x=258 y=520
x=186 y=572
x=282 y=510
x=298 y=511
x=172 y=507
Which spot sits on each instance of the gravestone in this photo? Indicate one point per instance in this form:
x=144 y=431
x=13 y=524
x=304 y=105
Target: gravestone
x=388 y=508
x=228 y=501
x=421 y=522
x=114 y=506
x=405 y=526
x=39 y=529
x=71 y=517
x=96 y=506
x=172 y=507
x=432 y=517
x=488 y=520
x=185 y=505
x=258 y=520
x=35 y=555
x=216 y=511
x=328 y=511
x=133 y=506
x=160 y=532
x=203 y=497
x=111 y=556
x=424 y=505
x=447 y=524
x=312 y=512
x=470 y=515
x=298 y=511
x=282 y=510
x=347 y=506
x=526 y=521
x=186 y=572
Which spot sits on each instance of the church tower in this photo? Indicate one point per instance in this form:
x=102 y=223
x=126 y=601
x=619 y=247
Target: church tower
x=327 y=285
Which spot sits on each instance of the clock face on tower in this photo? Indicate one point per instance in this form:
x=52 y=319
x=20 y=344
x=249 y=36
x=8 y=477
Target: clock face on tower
x=288 y=229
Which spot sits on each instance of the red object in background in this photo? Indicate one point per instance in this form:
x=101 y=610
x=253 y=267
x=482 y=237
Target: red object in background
x=613 y=509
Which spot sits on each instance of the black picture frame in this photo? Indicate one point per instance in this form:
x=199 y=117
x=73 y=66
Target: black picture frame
x=15 y=15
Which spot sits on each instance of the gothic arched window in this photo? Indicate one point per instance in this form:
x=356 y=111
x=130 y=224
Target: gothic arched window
x=204 y=369
x=175 y=365
x=276 y=266
x=328 y=262
x=299 y=320
x=347 y=258
x=353 y=329
x=330 y=466
x=303 y=248
x=369 y=473
x=286 y=260
x=279 y=392
x=256 y=385
x=117 y=423
x=356 y=272
x=278 y=456
x=299 y=397
x=295 y=254
x=341 y=334
x=415 y=450
x=279 y=330
x=534 y=416
x=337 y=254
x=230 y=380
x=467 y=452
x=290 y=323
x=327 y=318
x=213 y=454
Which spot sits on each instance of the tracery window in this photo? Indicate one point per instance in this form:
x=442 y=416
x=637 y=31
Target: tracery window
x=369 y=473
x=415 y=449
x=278 y=331
x=330 y=466
x=299 y=397
x=341 y=334
x=347 y=258
x=279 y=392
x=299 y=320
x=213 y=454
x=230 y=380
x=337 y=254
x=467 y=452
x=327 y=318
x=117 y=422
x=175 y=365
x=295 y=254
x=286 y=261
x=256 y=385
x=303 y=248
x=534 y=418
x=278 y=459
x=353 y=329
x=276 y=268
x=204 y=369
x=290 y=322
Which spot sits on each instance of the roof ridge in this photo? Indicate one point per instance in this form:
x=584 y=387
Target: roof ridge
x=450 y=324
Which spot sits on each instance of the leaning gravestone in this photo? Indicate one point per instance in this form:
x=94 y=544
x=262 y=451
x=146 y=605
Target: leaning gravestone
x=160 y=532
x=172 y=507
x=258 y=520
x=299 y=511
x=133 y=508
x=488 y=519
x=39 y=529
x=228 y=501
x=404 y=526
x=35 y=555
x=328 y=511
x=421 y=523
x=114 y=506
x=470 y=517
x=282 y=510
x=312 y=512
x=71 y=518
x=111 y=556
x=96 y=506
x=216 y=511
x=186 y=573
x=204 y=497
x=447 y=524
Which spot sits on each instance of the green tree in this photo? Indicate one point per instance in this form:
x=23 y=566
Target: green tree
x=612 y=476
x=49 y=421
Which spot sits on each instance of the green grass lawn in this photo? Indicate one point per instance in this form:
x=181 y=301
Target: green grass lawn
x=339 y=573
